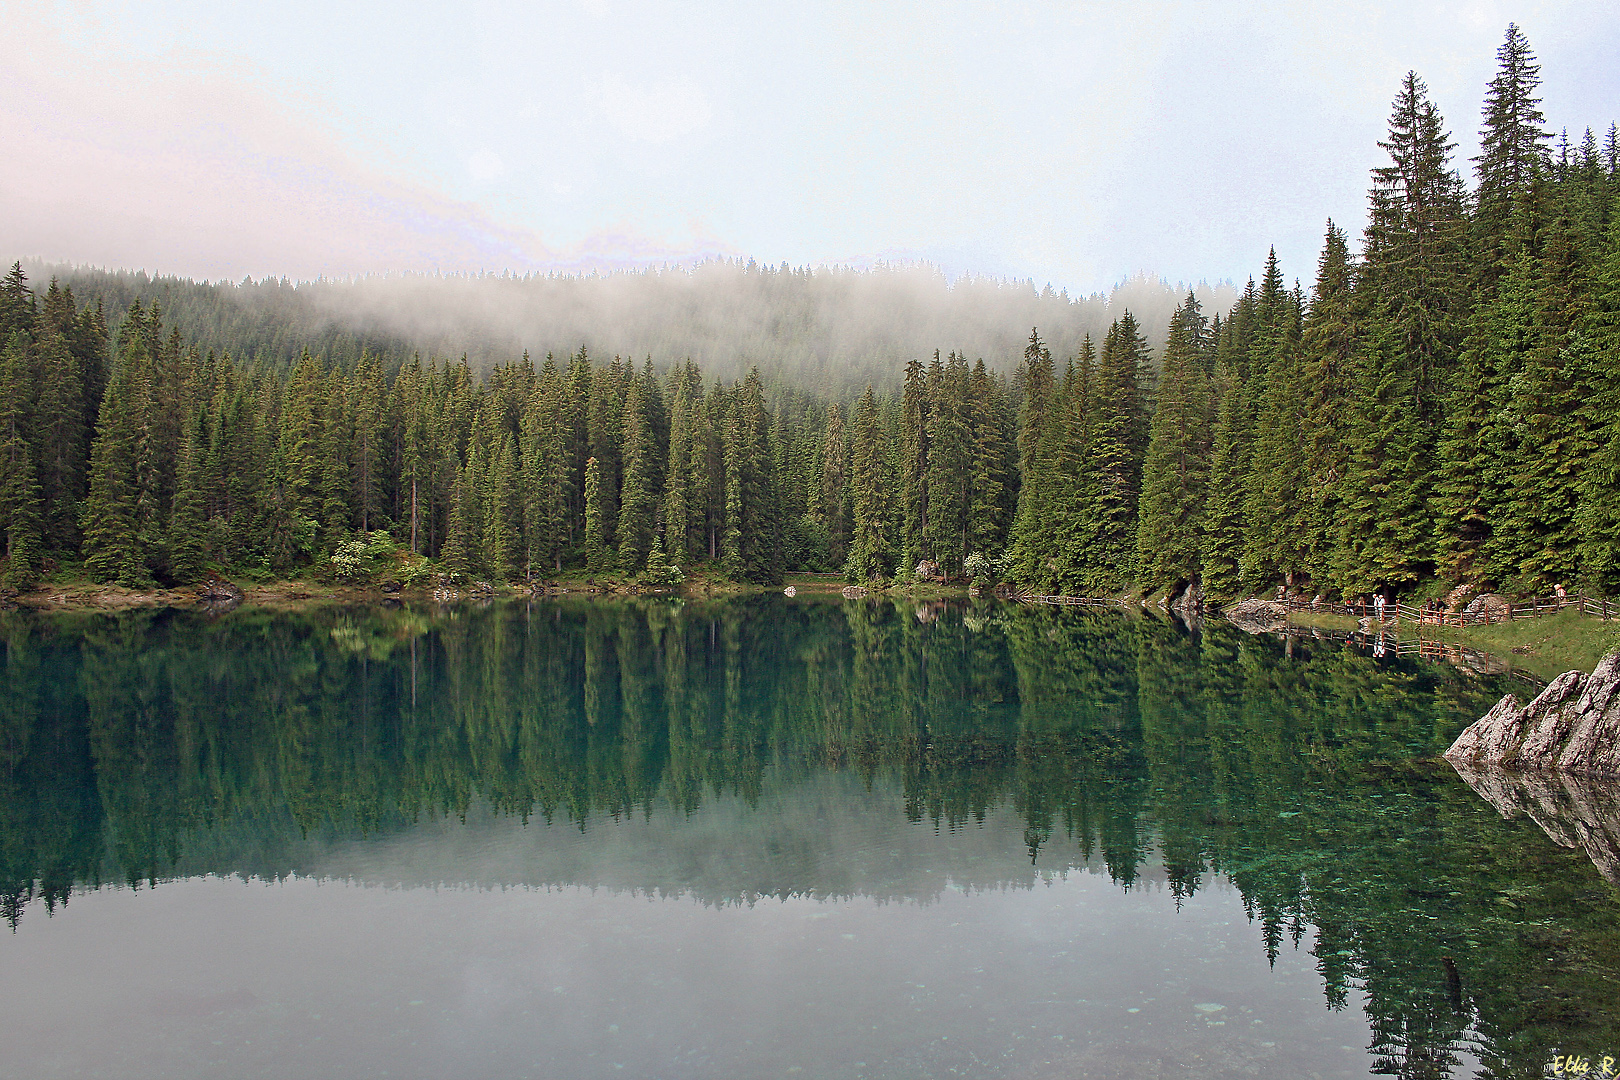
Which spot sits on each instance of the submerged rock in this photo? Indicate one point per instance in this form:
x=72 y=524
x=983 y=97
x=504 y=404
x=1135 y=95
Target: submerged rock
x=1573 y=725
x=1575 y=811
x=1258 y=616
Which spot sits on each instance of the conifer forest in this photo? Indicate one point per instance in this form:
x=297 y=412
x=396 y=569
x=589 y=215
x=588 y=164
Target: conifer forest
x=1440 y=404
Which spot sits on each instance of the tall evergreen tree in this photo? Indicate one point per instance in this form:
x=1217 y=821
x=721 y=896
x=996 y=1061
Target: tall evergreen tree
x=950 y=469
x=833 y=502
x=1175 y=472
x=1385 y=524
x=993 y=473
x=1325 y=355
x=1223 y=525
x=639 y=497
x=1030 y=541
x=1512 y=145
x=187 y=546
x=1118 y=448
x=914 y=425
x=598 y=557
x=1274 y=512
x=1415 y=247
x=19 y=486
x=870 y=549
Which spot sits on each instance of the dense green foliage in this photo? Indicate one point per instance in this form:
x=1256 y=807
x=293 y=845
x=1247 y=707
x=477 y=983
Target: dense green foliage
x=1439 y=410
x=148 y=745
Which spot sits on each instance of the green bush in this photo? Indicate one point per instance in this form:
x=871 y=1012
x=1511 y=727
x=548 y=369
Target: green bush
x=364 y=557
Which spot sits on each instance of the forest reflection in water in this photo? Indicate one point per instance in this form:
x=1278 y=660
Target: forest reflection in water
x=759 y=748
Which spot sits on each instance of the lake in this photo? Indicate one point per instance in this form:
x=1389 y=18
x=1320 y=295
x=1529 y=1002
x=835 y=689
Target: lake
x=769 y=837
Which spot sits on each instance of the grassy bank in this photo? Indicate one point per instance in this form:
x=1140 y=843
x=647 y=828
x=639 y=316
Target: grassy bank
x=1544 y=647
x=1319 y=620
x=1548 y=646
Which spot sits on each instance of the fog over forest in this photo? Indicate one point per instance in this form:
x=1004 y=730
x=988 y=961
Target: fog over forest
x=831 y=330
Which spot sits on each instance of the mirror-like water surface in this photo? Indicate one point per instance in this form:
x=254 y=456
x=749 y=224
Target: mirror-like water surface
x=769 y=838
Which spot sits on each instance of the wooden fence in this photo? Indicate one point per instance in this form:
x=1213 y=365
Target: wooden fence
x=1436 y=616
x=1073 y=601
x=1423 y=615
x=1426 y=648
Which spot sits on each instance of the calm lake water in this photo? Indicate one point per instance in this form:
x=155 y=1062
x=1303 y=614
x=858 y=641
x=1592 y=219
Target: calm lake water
x=766 y=838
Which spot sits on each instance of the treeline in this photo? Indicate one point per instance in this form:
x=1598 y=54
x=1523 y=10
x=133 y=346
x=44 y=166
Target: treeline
x=1439 y=410
x=175 y=464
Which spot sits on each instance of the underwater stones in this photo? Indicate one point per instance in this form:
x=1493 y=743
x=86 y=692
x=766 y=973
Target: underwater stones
x=1572 y=725
x=1574 y=810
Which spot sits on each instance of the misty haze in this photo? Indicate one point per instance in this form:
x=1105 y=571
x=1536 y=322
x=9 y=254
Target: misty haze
x=827 y=329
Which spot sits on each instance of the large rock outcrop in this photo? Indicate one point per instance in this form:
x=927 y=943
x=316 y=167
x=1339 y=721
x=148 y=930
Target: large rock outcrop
x=1573 y=725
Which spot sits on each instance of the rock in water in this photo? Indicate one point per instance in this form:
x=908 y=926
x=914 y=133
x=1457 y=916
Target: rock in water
x=1189 y=605
x=216 y=590
x=1574 y=811
x=1258 y=616
x=1572 y=725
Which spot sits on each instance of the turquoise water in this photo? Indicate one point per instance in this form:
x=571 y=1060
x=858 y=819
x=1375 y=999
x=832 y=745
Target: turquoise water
x=767 y=838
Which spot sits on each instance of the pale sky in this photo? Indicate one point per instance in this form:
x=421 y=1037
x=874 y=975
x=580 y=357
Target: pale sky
x=1072 y=144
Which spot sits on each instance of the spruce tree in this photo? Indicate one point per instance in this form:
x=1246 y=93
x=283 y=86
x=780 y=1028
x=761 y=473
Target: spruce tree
x=598 y=558
x=18 y=309
x=1223 y=524
x=118 y=511
x=1598 y=515
x=1511 y=149
x=187 y=547
x=1073 y=495
x=1175 y=472
x=950 y=469
x=545 y=470
x=369 y=471
x=1274 y=509
x=1030 y=542
x=1479 y=442
x=500 y=511
x=870 y=549
x=993 y=473
x=677 y=500
x=1385 y=524
x=833 y=496
x=639 y=497
x=1415 y=246
x=19 y=486
x=1325 y=354
x=460 y=554
x=1118 y=447
x=914 y=423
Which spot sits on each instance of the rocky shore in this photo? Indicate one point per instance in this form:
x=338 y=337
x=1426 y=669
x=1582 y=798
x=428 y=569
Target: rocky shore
x=1571 y=726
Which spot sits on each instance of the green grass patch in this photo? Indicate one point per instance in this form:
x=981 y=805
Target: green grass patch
x=1545 y=647
x=1322 y=620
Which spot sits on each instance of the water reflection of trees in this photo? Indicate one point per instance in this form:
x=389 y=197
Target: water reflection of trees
x=123 y=736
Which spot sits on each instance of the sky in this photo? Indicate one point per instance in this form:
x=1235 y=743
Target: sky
x=1065 y=143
